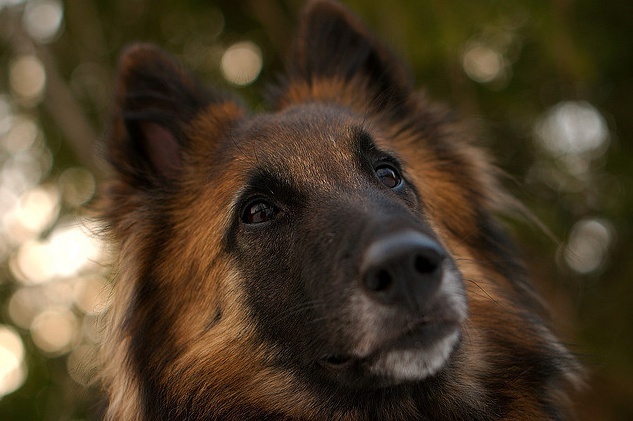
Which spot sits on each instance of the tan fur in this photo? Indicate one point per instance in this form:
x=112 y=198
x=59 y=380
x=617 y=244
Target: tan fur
x=170 y=217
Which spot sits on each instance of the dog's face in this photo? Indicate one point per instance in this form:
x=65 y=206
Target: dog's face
x=342 y=242
x=341 y=268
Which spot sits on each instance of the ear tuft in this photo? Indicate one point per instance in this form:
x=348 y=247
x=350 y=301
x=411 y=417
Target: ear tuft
x=155 y=101
x=148 y=76
x=334 y=45
x=161 y=147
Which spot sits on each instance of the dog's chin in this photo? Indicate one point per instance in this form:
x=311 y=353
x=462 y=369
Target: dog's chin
x=414 y=363
x=411 y=358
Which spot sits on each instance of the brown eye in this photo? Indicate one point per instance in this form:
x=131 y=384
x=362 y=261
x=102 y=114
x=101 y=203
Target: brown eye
x=258 y=212
x=389 y=176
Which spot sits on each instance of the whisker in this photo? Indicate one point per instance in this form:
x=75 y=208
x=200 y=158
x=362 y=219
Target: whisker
x=483 y=290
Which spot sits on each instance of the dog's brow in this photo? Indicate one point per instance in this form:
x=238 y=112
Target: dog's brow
x=365 y=146
x=363 y=140
x=270 y=184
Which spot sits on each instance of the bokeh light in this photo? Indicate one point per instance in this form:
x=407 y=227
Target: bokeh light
x=573 y=128
x=38 y=209
x=27 y=78
x=54 y=330
x=21 y=172
x=21 y=134
x=25 y=304
x=12 y=367
x=42 y=19
x=241 y=63
x=67 y=252
x=483 y=63
x=588 y=245
x=75 y=247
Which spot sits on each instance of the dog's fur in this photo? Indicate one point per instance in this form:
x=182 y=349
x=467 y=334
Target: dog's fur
x=335 y=258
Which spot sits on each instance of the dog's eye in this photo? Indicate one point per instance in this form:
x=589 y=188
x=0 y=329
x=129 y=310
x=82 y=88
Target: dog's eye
x=258 y=212
x=389 y=176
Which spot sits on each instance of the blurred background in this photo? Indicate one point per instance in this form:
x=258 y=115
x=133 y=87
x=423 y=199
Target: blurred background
x=549 y=84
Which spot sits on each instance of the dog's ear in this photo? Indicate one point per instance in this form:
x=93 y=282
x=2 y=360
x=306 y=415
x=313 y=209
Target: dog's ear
x=333 y=48
x=156 y=100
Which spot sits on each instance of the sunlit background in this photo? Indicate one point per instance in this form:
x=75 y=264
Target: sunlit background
x=548 y=84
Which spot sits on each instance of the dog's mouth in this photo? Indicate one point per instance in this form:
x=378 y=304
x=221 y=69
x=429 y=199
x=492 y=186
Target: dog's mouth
x=336 y=361
x=419 y=353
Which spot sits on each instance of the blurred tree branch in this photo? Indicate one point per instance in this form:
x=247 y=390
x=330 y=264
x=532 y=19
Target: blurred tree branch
x=58 y=101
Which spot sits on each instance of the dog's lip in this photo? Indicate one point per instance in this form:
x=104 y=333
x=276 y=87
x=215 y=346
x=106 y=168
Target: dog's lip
x=420 y=334
x=337 y=361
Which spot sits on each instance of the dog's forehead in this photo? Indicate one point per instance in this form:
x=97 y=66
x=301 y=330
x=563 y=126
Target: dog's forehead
x=310 y=128
x=304 y=139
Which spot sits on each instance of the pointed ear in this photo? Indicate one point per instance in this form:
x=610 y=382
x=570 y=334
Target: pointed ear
x=334 y=45
x=156 y=100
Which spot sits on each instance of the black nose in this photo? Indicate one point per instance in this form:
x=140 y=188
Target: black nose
x=402 y=269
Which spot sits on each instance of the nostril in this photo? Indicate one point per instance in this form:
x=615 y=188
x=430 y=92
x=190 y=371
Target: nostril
x=379 y=281
x=425 y=264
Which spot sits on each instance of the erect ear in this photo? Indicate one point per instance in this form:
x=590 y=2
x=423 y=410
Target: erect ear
x=334 y=45
x=156 y=100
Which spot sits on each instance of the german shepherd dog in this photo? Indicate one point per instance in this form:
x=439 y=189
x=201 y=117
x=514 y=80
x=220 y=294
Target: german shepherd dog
x=336 y=258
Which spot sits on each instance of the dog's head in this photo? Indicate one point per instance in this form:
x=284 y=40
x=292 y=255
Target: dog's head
x=341 y=267
x=328 y=245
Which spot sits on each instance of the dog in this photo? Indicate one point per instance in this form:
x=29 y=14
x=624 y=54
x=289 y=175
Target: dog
x=335 y=258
